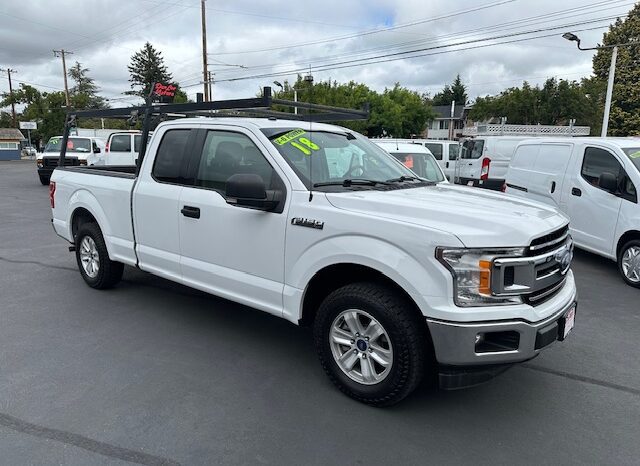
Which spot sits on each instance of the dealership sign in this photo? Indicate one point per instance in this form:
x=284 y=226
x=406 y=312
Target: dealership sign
x=163 y=93
x=28 y=125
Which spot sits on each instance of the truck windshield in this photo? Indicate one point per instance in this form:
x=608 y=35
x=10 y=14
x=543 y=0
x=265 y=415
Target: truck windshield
x=336 y=158
x=423 y=165
x=73 y=145
x=634 y=154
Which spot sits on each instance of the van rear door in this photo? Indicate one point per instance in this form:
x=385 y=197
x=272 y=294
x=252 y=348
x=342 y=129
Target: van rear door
x=469 y=163
x=120 y=150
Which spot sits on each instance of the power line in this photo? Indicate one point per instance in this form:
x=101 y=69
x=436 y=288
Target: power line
x=384 y=57
x=374 y=31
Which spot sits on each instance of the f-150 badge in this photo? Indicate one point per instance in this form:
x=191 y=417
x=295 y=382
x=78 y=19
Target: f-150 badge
x=307 y=222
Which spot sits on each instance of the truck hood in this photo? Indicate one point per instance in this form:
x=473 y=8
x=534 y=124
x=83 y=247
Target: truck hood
x=478 y=217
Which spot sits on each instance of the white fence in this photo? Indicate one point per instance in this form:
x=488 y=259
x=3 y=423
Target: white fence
x=525 y=130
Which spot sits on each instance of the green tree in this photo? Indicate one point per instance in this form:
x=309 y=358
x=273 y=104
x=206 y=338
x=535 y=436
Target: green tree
x=84 y=91
x=624 y=119
x=147 y=67
x=397 y=112
x=456 y=92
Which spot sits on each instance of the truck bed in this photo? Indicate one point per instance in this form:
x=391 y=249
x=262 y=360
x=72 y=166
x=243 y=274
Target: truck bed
x=120 y=171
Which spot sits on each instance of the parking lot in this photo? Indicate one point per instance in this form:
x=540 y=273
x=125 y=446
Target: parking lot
x=156 y=373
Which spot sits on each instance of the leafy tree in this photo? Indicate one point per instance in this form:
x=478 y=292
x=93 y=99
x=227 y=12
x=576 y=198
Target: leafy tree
x=396 y=112
x=624 y=118
x=84 y=91
x=456 y=92
x=147 y=67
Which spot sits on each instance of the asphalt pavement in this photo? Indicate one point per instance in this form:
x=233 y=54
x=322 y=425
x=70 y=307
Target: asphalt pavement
x=155 y=373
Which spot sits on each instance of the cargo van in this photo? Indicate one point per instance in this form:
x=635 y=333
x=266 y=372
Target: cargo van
x=484 y=161
x=595 y=182
x=122 y=148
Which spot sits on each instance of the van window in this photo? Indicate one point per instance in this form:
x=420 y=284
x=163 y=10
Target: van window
x=120 y=143
x=435 y=148
x=171 y=156
x=472 y=149
x=525 y=157
x=596 y=162
x=553 y=158
x=454 y=149
x=634 y=155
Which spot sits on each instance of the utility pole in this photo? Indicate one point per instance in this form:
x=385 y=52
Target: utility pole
x=13 y=105
x=204 y=51
x=607 y=105
x=62 y=53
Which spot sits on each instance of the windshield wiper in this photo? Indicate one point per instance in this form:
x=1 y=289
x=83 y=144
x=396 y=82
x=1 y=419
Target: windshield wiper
x=351 y=182
x=403 y=178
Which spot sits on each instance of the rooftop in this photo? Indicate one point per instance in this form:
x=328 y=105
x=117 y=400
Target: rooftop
x=12 y=134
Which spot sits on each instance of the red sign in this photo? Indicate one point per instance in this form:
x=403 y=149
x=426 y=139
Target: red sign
x=165 y=90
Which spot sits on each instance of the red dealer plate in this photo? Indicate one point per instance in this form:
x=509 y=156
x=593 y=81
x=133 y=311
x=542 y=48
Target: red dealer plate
x=569 y=321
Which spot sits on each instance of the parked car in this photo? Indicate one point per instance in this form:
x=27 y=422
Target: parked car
x=595 y=182
x=445 y=152
x=29 y=151
x=81 y=151
x=399 y=278
x=484 y=161
x=122 y=148
x=415 y=157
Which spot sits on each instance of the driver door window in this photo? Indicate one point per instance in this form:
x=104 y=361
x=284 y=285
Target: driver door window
x=225 y=154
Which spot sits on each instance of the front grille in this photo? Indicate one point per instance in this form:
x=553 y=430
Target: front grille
x=52 y=162
x=548 y=242
x=540 y=296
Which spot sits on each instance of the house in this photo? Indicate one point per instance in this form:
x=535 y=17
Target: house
x=10 y=139
x=444 y=126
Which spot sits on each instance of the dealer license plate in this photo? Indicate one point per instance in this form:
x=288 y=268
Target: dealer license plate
x=569 y=321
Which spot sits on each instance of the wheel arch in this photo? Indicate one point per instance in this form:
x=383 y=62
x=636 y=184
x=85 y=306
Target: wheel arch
x=625 y=238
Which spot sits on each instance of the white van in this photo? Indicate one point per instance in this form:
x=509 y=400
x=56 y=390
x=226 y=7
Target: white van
x=595 y=182
x=123 y=147
x=81 y=151
x=484 y=161
x=415 y=157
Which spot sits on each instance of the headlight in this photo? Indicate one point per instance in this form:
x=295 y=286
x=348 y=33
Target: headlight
x=39 y=163
x=471 y=270
x=82 y=162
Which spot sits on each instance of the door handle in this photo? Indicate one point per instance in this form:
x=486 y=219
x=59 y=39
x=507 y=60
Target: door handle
x=470 y=164
x=553 y=187
x=447 y=165
x=192 y=212
x=576 y=192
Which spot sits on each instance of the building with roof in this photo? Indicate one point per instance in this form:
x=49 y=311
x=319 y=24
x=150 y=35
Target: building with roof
x=10 y=143
x=446 y=125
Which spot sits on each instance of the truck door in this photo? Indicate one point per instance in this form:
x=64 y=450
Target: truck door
x=156 y=208
x=593 y=211
x=229 y=250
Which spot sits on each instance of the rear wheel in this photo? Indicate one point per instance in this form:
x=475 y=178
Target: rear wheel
x=370 y=343
x=97 y=270
x=44 y=179
x=629 y=263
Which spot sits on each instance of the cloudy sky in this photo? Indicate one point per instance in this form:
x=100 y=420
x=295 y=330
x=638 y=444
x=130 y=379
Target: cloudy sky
x=340 y=40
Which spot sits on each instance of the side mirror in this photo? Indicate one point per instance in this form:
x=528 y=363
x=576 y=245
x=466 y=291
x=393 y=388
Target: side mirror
x=96 y=150
x=249 y=190
x=608 y=181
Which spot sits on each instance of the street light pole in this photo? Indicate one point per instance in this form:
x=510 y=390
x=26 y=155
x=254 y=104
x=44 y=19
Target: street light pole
x=607 y=105
x=612 y=74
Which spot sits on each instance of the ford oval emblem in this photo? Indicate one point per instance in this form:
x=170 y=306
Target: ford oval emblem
x=563 y=258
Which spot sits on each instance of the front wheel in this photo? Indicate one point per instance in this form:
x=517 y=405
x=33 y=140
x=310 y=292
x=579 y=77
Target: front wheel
x=97 y=270
x=629 y=263
x=370 y=343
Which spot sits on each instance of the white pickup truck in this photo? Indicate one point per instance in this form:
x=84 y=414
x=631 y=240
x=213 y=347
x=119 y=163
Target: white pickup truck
x=400 y=277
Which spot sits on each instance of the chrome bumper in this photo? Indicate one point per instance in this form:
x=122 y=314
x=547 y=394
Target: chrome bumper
x=455 y=343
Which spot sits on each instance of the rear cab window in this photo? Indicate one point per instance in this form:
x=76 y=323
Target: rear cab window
x=170 y=163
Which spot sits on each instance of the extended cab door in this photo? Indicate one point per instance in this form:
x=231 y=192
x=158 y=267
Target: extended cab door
x=593 y=211
x=156 y=201
x=232 y=251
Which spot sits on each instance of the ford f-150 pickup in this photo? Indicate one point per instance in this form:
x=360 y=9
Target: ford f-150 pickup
x=400 y=277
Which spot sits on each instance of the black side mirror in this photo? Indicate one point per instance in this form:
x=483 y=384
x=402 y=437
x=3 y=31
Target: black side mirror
x=96 y=150
x=608 y=181
x=249 y=190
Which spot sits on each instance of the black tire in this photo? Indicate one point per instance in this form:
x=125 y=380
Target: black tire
x=109 y=272
x=407 y=334
x=44 y=179
x=629 y=244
